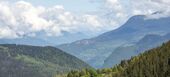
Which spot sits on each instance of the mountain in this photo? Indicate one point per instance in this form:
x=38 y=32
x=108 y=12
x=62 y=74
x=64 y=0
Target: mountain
x=43 y=40
x=36 y=61
x=66 y=37
x=95 y=50
x=125 y=52
x=152 y=63
x=26 y=41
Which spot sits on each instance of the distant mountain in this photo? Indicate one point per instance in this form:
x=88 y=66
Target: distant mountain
x=139 y=26
x=66 y=38
x=42 y=40
x=95 y=50
x=35 y=61
x=26 y=41
x=125 y=52
x=152 y=63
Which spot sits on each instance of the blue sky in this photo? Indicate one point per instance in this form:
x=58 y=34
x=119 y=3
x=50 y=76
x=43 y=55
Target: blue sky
x=71 y=5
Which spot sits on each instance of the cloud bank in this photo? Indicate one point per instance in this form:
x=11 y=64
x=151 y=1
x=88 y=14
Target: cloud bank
x=122 y=9
x=21 y=18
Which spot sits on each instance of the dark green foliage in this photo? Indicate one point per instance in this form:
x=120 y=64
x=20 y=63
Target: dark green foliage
x=34 y=61
x=152 y=63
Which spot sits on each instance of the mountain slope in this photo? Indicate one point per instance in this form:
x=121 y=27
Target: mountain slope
x=152 y=63
x=34 y=61
x=125 y=52
x=95 y=50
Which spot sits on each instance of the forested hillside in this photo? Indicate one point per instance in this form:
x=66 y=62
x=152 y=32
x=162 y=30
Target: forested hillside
x=152 y=63
x=35 y=61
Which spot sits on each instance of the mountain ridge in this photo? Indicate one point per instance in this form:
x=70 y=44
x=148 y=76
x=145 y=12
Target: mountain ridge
x=132 y=31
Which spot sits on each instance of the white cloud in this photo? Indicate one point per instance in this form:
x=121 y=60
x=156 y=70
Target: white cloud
x=23 y=19
x=6 y=14
x=115 y=5
x=118 y=11
x=5 y=32
x=150 y=6
x=92 y=20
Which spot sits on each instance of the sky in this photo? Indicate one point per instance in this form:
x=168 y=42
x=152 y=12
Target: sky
x=19 y=18
x=71 y=5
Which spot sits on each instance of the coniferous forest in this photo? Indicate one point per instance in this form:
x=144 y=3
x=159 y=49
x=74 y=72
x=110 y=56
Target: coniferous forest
x=152 y=63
